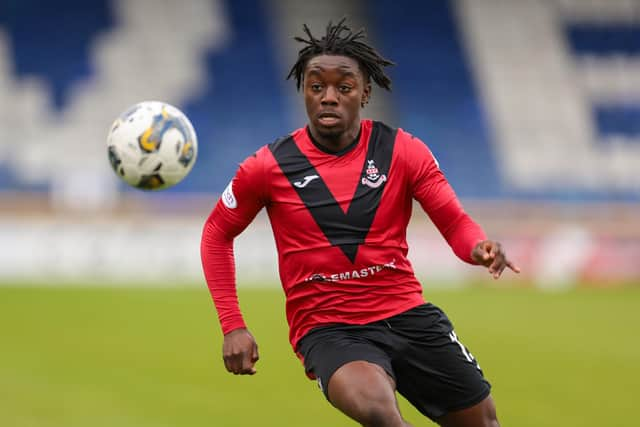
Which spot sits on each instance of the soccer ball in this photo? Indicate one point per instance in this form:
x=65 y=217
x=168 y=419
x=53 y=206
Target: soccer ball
x=152 y=145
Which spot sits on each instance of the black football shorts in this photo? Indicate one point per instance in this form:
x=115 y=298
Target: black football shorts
x=419 y=349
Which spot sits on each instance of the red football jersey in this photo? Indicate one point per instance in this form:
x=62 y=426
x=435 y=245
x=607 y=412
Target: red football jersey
x=339 y=222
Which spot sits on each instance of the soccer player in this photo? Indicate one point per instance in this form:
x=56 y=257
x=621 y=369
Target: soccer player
x=339 y=193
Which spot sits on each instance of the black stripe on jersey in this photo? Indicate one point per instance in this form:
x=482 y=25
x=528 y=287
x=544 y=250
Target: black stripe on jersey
x=348 y=231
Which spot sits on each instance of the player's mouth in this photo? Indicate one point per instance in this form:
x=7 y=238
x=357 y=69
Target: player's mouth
x=328 y=119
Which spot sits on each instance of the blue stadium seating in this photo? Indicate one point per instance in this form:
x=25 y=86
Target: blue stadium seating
x=243 y=107
x=242 y=104
x=621 y=119
x=434 y=92
x=604 y=39
x=51 y=40
x=618 y=120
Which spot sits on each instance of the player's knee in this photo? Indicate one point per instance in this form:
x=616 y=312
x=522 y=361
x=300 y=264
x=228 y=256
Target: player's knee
x=370 y=407
x=382 y=415
x=366 y=393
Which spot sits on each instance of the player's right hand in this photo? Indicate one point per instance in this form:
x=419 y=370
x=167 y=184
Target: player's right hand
x=240 y=352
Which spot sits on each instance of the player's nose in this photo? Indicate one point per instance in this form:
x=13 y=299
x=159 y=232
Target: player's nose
x=330 y=96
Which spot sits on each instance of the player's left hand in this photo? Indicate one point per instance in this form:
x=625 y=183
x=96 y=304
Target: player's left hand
x=491 y=254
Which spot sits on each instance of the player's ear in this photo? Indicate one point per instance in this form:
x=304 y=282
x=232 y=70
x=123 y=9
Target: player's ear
x=366 y=95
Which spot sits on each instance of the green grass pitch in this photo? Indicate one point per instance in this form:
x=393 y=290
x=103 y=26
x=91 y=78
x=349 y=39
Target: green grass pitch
x=100 y=357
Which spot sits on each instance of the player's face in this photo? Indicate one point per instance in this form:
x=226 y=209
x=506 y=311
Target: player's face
x=335 y=90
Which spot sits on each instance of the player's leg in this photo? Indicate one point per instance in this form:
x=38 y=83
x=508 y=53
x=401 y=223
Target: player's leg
x=366 y=393
x=482 y=414
x=354 y=373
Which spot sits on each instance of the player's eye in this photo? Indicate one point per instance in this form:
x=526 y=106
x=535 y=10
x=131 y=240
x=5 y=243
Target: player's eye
x=344 y=88
x=316 y=87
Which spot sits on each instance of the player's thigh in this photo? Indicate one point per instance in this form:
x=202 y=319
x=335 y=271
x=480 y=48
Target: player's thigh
x=364 y=391
x=325 y=350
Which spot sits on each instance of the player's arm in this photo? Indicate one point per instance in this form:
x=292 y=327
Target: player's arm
x=237 y=207
x=434 y=193
x=468 y=240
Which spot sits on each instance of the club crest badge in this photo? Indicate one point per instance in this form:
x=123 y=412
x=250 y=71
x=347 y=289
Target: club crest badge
x=228 y=198
x=373 y=177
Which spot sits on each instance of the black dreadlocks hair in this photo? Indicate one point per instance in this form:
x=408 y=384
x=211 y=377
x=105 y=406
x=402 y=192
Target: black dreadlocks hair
x=335 y=43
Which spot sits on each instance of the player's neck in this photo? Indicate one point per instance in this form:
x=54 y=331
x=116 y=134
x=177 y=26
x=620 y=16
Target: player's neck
x=335 y=144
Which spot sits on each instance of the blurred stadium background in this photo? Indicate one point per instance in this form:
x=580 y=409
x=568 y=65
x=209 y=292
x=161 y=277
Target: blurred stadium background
x=531 y=106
